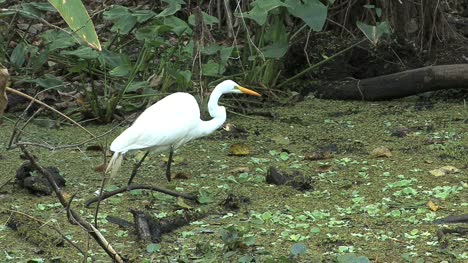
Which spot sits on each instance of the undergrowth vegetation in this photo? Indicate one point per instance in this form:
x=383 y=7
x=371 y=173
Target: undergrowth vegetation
x=150 y=50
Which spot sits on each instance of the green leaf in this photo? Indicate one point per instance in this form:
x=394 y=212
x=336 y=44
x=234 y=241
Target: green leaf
x=211 y=49
x=121 y=70
x=77 y=18
x=83 y=52
x=185 y=75
x=373 y=33
x=260 y=10
x=49 y=81
x=284 y=156
x=137 y=85
x=151 y=248
x=226 y=53
x=178 y=25
x=18 y=56
x=112 y=59
x=57 y=39
x=35 y=9
x=172 y=8
x=143 y=15
x=123 y=20
x=298 y=249
x=276 y=50
x=312 y=12
x=249 y=241
x=212 y=69
x=207 y=19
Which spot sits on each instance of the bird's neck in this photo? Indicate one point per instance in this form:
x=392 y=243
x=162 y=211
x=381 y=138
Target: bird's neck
x=217 y=112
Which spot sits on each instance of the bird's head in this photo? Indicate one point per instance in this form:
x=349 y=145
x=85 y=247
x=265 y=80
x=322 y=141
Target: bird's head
x=229 y=86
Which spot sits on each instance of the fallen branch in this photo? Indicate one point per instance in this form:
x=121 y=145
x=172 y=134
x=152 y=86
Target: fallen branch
x=398 y=85
x=74 y=217
x=139 y=186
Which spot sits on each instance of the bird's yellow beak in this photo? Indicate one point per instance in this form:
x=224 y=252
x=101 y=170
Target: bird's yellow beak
x=248 y=91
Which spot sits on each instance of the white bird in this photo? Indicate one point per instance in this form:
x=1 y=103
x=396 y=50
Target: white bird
x=170 y=123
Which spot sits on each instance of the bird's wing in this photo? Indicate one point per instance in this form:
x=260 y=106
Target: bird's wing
x=168 y=122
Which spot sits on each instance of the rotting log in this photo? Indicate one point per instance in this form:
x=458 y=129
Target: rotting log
x=398 y=85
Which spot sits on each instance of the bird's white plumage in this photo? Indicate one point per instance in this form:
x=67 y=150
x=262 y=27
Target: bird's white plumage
x=167 y=123
x=170 y=123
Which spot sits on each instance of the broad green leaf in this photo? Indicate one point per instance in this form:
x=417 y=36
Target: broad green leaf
x=123 y=20
x=18 y=56
x=212 y=69
x=186 y=75
x=77 y=18
x=37 y=61
x=178 y=25
x=35 y=9
x=121 y=70
x=83 y=52
x=56 y=39
x=49 y=81
x=143 y=15
x=260 y=10
x=210 y=49
x=312 y=12
x=112 y=59
x=151 y=248
x=207 y=19
x=276 y=50
x=226 y=54
x=172 y=8
x=373 y=33
x=137 y=85
x=298 y=249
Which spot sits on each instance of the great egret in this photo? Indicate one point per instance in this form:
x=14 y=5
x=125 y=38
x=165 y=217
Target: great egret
x=170 y=123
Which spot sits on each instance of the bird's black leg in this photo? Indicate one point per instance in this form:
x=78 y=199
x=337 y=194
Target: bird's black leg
x=168 y=168
x=135 y=168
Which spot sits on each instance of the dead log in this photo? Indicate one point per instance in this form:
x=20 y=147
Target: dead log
x=398 y=85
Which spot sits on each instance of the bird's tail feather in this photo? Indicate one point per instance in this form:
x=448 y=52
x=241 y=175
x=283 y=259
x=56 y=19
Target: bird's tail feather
x=114 y=164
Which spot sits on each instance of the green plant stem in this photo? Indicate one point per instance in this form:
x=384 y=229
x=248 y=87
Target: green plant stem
x=297 y=32
x=310 y=68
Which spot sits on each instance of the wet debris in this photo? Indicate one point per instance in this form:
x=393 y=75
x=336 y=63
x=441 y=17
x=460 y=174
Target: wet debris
x=295 y=180
x=28 y=178
x=234 y=202
x=401 y=132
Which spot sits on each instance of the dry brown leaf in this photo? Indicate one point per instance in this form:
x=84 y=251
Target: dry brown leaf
x=324 y=169
x=182 y=175
x=432 y=206
x=100 y=168
x=318 y=155
x=444 y=170
x=380 y=152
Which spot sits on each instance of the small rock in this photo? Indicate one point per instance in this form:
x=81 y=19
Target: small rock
x=380 y=152
x=444 y=170
x=239 y=149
